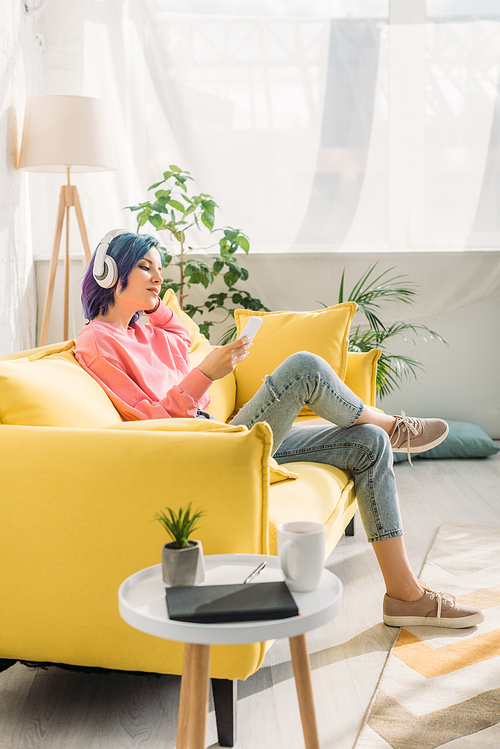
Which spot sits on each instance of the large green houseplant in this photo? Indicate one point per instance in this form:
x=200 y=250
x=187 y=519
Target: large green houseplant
x=176 y=211
x=370 y=294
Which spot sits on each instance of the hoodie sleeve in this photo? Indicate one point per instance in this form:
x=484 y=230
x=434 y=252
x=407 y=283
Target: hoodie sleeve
x=165 y=318
x=133 y=404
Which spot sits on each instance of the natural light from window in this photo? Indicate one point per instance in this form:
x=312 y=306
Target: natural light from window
x=334 y=126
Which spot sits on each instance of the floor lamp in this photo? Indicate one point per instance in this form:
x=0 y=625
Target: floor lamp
x=63 y=134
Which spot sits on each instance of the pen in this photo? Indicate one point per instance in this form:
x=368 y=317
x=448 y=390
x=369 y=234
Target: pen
x=255 y=572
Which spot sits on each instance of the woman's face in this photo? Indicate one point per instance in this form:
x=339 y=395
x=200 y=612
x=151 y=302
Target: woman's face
x=144 y=283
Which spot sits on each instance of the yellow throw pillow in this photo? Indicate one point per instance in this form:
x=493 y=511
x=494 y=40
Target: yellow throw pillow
x=223 y=392
x=52 y=390
x=322 y=332
x=277 y=473
x=198 y=340
x=361 y=375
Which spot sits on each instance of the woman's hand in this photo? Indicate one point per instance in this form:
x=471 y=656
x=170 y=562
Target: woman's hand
x=223 y=360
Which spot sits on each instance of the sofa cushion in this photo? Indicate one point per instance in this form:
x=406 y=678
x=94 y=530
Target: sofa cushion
x=50 y=388
x=322 y=494
x=223 y=392
x=322 y=332
x=39 y=351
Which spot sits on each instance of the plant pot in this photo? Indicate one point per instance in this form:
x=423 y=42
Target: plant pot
x=182 y=566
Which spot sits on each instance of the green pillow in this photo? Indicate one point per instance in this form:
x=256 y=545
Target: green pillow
x=464 y=440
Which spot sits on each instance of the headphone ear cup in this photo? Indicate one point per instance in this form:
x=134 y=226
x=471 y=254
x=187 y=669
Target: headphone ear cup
x=110 y=274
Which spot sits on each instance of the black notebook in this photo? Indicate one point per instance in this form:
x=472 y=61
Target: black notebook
x=246 y=602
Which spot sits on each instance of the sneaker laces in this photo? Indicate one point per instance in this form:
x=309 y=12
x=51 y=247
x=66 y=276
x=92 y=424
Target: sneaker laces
x=439 y=597
x=409 y=424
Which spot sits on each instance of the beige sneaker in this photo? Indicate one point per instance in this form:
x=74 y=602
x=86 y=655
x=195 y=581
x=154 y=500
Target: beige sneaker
x=411 y=435
x=433 y=610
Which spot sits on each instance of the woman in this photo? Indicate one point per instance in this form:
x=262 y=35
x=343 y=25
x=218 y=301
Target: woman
x=145 y=371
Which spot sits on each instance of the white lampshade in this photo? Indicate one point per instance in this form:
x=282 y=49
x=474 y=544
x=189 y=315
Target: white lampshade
x=62 y=132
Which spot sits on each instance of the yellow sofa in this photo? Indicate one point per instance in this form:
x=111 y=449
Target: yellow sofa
x=80 y=490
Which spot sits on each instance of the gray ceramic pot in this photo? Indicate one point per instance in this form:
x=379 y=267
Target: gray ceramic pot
x=182 y=566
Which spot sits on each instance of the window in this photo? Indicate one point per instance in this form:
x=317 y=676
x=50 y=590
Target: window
x=334 y=125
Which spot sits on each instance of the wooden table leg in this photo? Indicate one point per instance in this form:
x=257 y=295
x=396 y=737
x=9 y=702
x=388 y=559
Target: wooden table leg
x=198 y=709
x=302 y=673
x=183 y=715
x=193 y=706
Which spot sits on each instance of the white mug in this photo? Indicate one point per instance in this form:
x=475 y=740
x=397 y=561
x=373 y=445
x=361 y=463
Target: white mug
x=301 y=549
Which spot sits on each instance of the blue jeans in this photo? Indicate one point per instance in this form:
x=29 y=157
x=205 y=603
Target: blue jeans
x=364 y=449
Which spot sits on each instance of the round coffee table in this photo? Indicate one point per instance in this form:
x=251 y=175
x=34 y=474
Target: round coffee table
x=142 y=604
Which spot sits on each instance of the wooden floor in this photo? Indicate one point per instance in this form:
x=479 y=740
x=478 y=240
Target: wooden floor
x=57 y=709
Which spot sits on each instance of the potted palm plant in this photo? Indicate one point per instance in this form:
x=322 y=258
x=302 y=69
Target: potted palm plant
x=370 y=294
x=182 y=558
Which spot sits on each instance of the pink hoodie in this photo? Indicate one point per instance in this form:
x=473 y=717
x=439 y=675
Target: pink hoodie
x=144 y=369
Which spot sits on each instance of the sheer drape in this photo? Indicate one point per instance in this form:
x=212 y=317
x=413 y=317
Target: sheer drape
x=347 y=133
x=320 y=128
x=314 y=133
x=19 y=63
x=244 y=99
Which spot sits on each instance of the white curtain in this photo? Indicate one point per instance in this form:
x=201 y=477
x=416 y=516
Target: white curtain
x=326 y=127
x=19 y=64
x=343 y=132
x=432 y=176
x=318 y=127
x=244 y=99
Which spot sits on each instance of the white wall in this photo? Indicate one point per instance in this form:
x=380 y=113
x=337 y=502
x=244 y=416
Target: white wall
x=461 y=380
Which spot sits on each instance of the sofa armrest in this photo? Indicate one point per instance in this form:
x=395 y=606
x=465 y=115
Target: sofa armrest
x=277 y=473
x=177 y=425
x=108 y=481
x=77 y=517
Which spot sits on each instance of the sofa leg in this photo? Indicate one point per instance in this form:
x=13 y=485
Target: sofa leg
x=225 y=700
x=5 y=664
x=349 y=529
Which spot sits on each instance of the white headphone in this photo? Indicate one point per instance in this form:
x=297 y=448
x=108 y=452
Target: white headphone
x=105 y=269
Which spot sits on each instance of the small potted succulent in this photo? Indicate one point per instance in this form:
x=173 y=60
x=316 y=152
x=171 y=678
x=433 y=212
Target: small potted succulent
x=182 y=559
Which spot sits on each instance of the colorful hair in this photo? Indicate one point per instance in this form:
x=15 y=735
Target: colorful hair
x=126 y=249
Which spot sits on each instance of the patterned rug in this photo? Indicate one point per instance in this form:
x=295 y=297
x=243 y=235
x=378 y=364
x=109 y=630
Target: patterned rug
x=442 y=686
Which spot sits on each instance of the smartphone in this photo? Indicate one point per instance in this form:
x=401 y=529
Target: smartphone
x=251 y=327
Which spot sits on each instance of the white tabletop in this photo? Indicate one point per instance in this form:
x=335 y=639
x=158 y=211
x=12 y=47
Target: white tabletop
x=142 y=603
